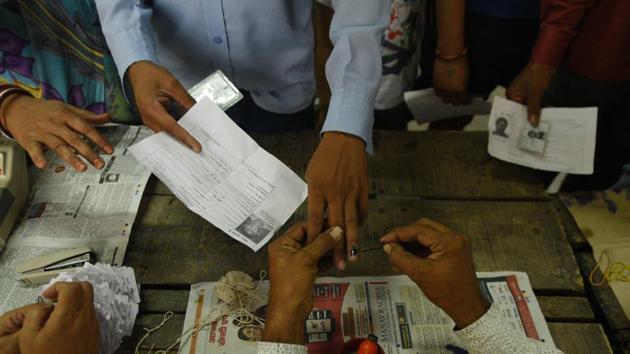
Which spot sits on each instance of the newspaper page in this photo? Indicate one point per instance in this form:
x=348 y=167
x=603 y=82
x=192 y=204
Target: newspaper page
x=69 y=209
x=233 y=183
x=563 y=142
x=391 y=307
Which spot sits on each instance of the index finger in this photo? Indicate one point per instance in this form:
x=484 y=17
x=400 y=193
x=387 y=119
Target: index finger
x=70 y=297
x=413 y=233
x=180 y=133
x=83 y=128
x=12 y=321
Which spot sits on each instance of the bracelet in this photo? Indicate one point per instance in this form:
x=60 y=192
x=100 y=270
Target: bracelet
x=5 y=92
x=463 y=53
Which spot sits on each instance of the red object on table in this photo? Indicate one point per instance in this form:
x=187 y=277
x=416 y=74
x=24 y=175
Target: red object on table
x=355 y=346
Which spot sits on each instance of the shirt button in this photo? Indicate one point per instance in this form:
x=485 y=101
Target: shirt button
x=217 y=40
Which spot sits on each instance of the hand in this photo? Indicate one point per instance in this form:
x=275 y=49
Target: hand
x=10 y=325
x=292 y=272
x=450 y=80
x=61 y=127
x=446 y=275
x=153 y=86
x=337 y=179
x=70 y=328
x=529 y=87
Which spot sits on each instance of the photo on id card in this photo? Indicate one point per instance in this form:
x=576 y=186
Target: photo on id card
x=534 y=139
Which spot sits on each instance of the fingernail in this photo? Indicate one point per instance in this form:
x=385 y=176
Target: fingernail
x=109 y=149
x=81 y=167
x=336 y=233
x=99 y=163
x=353 y=253
x=341 y=265
x=387 y=249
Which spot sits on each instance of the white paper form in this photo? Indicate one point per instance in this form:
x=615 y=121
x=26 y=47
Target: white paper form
x=570 y=144
x=233 y=183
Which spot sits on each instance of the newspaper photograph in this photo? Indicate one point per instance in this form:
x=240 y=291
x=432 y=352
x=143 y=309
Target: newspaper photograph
x=390 y=307
x=233 y=183
x=70 y=209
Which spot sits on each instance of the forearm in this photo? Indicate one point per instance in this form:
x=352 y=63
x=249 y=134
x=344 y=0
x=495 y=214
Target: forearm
x=354 y=67
x=451 y=18
x=558 y=22
x=284 y=324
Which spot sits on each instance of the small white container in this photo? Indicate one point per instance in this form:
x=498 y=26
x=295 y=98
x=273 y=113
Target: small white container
x=14 y=186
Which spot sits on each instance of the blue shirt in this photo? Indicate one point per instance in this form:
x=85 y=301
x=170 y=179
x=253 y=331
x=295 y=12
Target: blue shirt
x=264 y=46
x=524 y=9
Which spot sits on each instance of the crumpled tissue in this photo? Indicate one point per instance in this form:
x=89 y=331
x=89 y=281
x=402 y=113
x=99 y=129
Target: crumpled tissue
x=116 y=299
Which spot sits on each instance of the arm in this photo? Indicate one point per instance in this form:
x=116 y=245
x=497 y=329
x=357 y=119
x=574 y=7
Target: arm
x=443 y=268
x=559 y=20
x=451 y=70
x=354 y=67
x=128 y=32
x=490 y=334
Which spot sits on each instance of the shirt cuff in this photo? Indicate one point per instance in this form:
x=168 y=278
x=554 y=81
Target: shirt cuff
x=352 y=113
x=130 y=46
x=280 y=348
x=551 y=46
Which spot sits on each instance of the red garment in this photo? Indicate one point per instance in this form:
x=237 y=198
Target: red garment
x=592 y=36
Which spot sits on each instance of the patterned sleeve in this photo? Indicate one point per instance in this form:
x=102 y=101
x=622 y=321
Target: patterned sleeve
x=280 y=348
x=490 y=334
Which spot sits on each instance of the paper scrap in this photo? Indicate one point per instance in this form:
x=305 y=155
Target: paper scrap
x=570 y=137
x=116 y=300
x=426 y=106
x=233 y=183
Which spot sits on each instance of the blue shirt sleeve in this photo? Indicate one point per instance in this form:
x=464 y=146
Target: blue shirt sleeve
x=127 y=28
x=354 y=67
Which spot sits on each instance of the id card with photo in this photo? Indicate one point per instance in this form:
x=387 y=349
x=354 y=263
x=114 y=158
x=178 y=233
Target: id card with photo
x=534 y=139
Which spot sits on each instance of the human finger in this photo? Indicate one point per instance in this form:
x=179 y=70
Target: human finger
x=412 y=233
x=76 y=142
x=534 y=101
x=64 y=151
x=12 y=321
x=315 y=219
x=34 y=150
x=363 y=202
x=323 y=244
x=352 y=226
x=34 y=322
x=296 y=233
x=181 y=96
x=84 y=128
x=70 y=296
x=405 y=261
x=177 y=131
x=336 y=217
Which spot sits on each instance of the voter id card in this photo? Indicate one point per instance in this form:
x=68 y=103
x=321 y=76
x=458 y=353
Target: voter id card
x=218 y=88
x=534 y=139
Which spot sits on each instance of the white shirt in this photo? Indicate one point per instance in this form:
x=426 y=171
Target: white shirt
x=489 y=334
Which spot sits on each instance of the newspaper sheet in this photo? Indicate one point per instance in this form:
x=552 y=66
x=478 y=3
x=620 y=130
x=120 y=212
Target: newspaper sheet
x=233 y=183
x=565 y=141
x=69 y=209
x=391 y=307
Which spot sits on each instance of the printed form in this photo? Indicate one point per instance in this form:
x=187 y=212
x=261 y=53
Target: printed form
x=569 y=139
x=233 y=183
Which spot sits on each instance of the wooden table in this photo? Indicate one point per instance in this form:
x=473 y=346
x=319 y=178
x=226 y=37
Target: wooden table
x=447 y=176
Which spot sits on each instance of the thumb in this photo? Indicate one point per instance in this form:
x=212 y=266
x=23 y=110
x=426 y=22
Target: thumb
x=34 y=322
x=403 y=260
x=534 y=100
x=324 y=243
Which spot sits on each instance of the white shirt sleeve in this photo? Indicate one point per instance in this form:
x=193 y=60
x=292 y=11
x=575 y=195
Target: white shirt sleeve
x=280 y=348
x=490 y=334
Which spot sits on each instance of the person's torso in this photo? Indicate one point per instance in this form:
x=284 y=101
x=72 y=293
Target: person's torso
x=265 y=47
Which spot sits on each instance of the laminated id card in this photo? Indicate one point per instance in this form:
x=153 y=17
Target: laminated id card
x=218 y=88
x=534 y=139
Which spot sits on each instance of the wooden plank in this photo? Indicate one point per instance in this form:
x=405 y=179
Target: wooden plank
x=580 y=338
x=434 y=164
x=171 y=245
x=574 y=234
x=448 y=165
x=574 y=338
x=604 y=300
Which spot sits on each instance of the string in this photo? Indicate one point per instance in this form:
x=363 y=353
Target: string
x=236 y=291
x=612 y=272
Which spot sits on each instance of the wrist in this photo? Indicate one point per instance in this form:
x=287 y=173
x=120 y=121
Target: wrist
x=468 y=311
x=285 y=324
x=10 y=107
x=343 y=137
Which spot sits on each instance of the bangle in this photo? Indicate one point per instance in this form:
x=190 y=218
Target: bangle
x=441 y=57
x=5 y=92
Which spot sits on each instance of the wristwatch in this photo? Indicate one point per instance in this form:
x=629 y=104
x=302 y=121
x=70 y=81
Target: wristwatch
x=5 y=92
